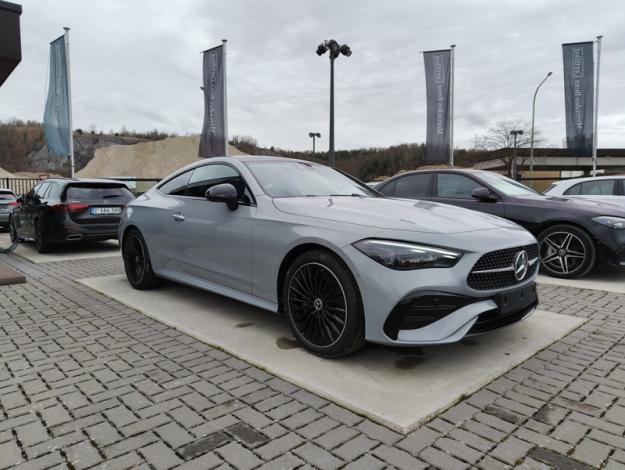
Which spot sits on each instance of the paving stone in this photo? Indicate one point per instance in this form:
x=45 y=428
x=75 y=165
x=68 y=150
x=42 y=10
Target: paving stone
x=10 y=454
x=82 y=455
x=556 y=460
x=512 y=450
x=247 y=435
x=366 y=462
x=398 y=458
x=32 y=433
x=174 y=435
x=418 y=440
x=354 y=447
x=441 y=459
x=336 y=437
x=318 y=457
x=238 y=456
x=378 y=433
x=204 y=445
x=284 y=462
x=591 y=452
x=160 y=456
x=279 y=446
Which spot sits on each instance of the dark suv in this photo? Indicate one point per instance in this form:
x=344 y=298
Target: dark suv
x=69 y=210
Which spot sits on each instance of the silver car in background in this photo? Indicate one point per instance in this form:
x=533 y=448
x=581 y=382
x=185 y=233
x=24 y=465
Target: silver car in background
x=344 y=264
x=8 y=202
x=601 y=188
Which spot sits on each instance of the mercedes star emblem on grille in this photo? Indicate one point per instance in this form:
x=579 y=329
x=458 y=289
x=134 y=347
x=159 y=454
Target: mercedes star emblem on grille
x=521 y=265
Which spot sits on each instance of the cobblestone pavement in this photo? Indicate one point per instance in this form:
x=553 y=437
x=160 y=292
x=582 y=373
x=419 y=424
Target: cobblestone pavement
x=86 y=381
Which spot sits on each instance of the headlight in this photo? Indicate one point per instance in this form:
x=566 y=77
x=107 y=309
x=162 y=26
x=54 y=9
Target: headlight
x=617 y=223
x=404 y=256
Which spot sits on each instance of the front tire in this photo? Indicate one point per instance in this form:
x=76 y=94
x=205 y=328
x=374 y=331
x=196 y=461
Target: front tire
x=137 y=262
x=566 y=252
x=323 y=305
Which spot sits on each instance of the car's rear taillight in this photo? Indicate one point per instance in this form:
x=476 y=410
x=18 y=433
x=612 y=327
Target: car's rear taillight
x=69 y=207
x=12 y=203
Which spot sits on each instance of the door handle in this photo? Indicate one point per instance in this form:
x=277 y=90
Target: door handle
x=178 y=217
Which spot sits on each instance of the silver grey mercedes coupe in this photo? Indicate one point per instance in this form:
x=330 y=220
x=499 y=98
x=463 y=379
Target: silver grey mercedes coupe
x=344 y=264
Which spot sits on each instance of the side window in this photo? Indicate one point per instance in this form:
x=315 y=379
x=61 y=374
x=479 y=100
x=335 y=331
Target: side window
x=41 y=190
x=413 y=186
x=451 y=185
x=388 y=189
x=177 y=185
x=53 y=192
x=207 y=176
x=598 y=188
x=573 y=190
x=33 y=191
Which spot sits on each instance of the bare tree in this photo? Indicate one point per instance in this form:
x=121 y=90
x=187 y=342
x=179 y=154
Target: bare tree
x=499 y=137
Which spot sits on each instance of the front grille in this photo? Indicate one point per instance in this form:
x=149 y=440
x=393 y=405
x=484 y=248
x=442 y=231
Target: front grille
x=500 y=259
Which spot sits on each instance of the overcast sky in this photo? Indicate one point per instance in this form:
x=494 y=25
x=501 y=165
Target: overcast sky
x=138 y=64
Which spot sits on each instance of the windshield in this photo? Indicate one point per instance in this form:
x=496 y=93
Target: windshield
x=507 y=186
x=296 y=179
x=7 y=196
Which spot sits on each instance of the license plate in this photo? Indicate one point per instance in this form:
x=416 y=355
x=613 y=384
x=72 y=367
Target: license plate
x=106 y=210
x=517 y=299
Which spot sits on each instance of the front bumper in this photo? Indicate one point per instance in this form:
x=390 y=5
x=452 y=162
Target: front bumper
x=610 y=246
x=440 y=317
x=474 y=311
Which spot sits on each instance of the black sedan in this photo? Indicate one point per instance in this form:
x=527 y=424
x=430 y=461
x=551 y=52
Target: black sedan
x=69 y=210
x=574 y=235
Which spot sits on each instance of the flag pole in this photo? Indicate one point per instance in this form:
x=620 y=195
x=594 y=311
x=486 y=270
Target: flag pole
x=69 y=102
x=594 y=137
x=451 y=105
x=224 y=41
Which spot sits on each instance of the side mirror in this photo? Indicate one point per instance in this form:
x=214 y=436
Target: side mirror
x=483 y=194
x=225 y=193
x=19 y=199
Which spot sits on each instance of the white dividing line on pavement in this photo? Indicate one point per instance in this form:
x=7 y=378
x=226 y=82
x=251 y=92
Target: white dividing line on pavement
x=399 y=388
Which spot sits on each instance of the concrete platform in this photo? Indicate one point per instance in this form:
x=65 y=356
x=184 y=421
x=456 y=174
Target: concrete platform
x=397 y=387
x=65 y=252
x=603 y=281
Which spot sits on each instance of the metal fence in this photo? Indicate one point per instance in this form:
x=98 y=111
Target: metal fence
x=22 y=185
x=19 y=185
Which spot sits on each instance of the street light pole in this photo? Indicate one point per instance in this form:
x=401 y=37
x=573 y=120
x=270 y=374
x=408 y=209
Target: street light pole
x=335 y=50
x=514 y=133
x=331 y=156
x=532 y=135
x=314 y=135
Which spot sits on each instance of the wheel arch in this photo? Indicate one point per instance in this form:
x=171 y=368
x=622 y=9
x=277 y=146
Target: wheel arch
x=550 y=223
x=293 y=254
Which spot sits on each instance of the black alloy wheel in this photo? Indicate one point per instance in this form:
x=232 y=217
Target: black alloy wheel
x=566 y=252
x=137 y=262
x=323 y=305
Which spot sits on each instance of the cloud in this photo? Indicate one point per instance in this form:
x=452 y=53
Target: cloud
x=138 y=64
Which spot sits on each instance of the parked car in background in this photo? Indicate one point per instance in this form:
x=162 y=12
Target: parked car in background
x=8 y=201
x=344 y=263
x=602 y=188
x=575 y=235
x=69 y=210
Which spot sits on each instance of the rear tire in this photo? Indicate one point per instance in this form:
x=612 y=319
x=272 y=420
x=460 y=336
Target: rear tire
x=566 y=252
x=137 y=262
x=43 y=246
x=323 y=305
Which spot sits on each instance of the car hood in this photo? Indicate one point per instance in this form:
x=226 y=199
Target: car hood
x=590 y=206
x=393 y=214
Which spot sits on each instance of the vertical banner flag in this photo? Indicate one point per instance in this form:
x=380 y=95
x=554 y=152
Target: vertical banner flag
x=437 y=84
x=56 y=115
x=578 y=96
x=213 y=140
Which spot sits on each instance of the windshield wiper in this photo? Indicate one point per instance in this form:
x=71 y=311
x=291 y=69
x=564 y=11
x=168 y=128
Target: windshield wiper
x=109 y=196
x=347 y=195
